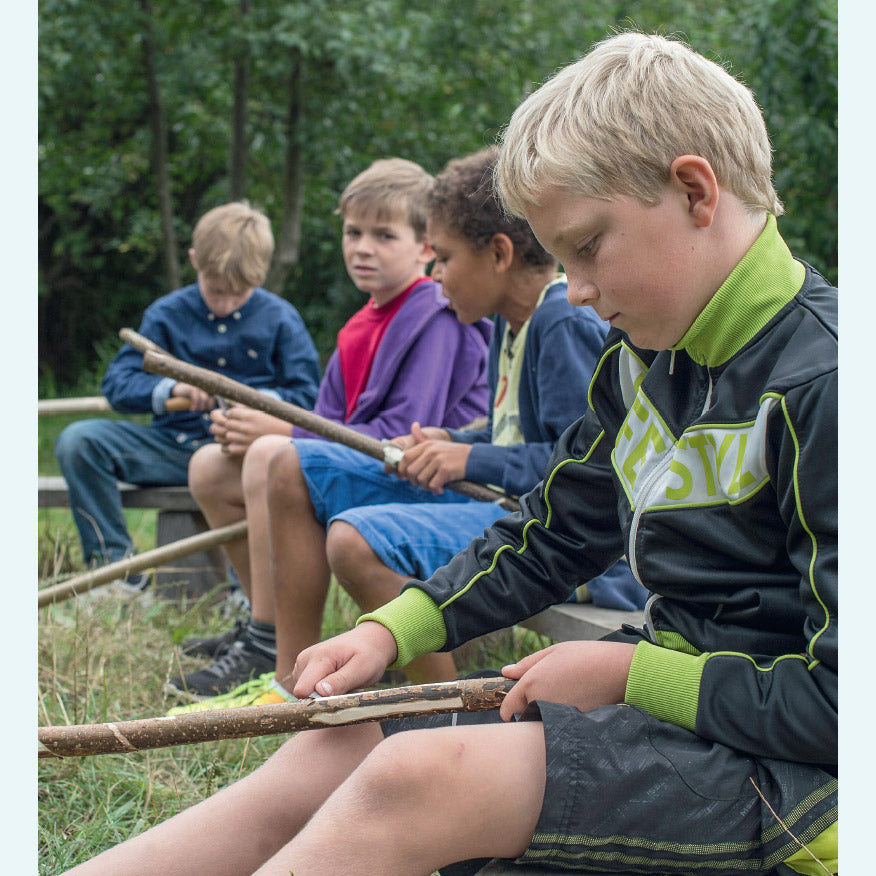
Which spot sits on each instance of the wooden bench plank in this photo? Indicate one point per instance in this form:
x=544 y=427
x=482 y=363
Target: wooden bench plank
x=52 y=493
x=580 y=620
x=178 y=517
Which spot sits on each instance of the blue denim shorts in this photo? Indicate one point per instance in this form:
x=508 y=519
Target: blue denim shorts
x=411 y=530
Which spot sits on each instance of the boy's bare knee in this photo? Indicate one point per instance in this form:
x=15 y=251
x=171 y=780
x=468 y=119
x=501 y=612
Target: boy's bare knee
x=346 y=550
x=257 y=460
x=286 y=484
x=406 y=770
x=205 y=470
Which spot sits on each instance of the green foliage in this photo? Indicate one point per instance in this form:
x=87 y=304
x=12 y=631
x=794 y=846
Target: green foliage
x=424 y=80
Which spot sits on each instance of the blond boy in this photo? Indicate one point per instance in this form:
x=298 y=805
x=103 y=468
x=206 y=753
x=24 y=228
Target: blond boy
x=226 y=322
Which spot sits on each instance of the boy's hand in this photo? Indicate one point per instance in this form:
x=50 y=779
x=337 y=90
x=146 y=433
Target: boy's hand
x=581 y=674
x=419 y=434
x=236 y=428
x=431 y=459
x=346 y=662
x=198 y=399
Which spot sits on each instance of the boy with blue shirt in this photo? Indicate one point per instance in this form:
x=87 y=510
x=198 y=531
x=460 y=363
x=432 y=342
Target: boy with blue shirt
x=226 y=322
x=707 y=741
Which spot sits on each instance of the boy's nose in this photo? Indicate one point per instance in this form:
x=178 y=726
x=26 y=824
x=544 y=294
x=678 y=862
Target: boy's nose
x=437 y=273
x=581 y=292
x=364 y=244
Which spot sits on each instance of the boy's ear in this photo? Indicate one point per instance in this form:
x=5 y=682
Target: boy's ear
x=695 y=177
x=427 y=254
x=502 y=252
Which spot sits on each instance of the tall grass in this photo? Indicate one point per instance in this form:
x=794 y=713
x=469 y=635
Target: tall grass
x=105 y=657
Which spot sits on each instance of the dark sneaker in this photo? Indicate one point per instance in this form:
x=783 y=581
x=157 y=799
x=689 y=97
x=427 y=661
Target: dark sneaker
x=213 y=646
x=237 y=665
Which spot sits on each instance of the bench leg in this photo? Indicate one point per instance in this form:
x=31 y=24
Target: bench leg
x=194 y=574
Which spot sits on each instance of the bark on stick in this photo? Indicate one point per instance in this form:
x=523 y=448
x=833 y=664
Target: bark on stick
x=140 y=562
x=464 y=695
x=219 y=385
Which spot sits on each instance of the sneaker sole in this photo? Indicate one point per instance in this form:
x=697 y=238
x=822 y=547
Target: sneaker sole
x=191 y=696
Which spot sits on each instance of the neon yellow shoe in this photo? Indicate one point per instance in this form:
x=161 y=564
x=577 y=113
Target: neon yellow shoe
x=256 y=692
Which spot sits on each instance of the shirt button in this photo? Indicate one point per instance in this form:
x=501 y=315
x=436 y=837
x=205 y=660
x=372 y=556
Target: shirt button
x=221 y=328
x=252 y=354
x=211 y=316
x=221 y=362
x=237 y=314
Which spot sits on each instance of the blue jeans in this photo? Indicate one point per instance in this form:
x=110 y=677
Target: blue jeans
x=94 y=455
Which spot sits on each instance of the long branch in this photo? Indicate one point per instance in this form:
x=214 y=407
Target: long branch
x=465 y=695
x=219 y=384
x=141 y=562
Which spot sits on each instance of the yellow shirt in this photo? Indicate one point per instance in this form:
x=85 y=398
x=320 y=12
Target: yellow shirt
x=506 y=404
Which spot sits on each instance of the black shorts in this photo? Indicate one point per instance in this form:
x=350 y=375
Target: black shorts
x=630 y=794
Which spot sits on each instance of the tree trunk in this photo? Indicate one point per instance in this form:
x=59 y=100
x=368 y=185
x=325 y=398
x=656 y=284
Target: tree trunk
x=238 y=157
x=289 y=236
x=158 y=124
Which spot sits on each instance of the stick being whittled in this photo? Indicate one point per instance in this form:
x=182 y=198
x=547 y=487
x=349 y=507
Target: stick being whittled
x=464 y=695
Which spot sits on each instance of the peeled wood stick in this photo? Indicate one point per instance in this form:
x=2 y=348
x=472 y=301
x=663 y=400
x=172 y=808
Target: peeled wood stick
x=140 y=562
x=95 y=404
x=465 y=695
x=218 y=384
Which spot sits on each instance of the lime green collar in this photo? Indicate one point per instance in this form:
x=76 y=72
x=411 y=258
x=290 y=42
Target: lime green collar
x=758 y=287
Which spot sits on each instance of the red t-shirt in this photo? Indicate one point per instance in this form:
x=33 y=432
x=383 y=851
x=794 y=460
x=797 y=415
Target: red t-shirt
x=359 y=340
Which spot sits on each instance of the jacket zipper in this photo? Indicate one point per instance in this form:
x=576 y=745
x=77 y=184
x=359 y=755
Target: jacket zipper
x=649 y=489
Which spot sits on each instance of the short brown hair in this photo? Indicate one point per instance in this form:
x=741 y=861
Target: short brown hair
x=391 y=189
x=234 y=242
x=464 y=201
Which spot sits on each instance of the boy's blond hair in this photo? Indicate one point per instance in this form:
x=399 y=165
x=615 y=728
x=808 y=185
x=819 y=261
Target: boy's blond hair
x=234 y=242
x=390 y=190
x=613 y=122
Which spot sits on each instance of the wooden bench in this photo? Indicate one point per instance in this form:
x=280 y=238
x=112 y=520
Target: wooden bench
x=178 y=517
x=580 y=620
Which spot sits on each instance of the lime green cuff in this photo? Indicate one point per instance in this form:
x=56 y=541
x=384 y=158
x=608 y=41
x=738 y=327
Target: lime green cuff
x=415 y=621
x=665 y=683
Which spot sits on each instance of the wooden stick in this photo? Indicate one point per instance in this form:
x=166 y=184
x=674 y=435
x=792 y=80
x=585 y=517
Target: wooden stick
x=218 y=384
x=139 y=563
x=140 y=342
x=91 y=404
x=465 y=695
x=94 y=404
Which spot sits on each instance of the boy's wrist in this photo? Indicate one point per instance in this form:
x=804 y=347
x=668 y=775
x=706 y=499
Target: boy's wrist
x=415 y=622
x=665 y=683
x=161 y=392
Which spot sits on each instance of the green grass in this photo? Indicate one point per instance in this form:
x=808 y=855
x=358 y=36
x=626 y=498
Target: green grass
x=108 y=660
